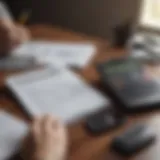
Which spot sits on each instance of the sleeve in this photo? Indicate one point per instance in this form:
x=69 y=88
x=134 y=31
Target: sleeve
x=4 y=11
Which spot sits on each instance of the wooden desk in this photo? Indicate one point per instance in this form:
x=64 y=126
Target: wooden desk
x=83 y=146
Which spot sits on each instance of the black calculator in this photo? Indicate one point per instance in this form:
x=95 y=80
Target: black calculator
x=130 y=84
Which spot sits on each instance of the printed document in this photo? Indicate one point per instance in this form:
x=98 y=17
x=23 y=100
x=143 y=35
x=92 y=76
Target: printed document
x=70 y=54
x=59 y=92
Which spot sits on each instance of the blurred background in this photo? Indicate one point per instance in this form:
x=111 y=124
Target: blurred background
x=93 y=17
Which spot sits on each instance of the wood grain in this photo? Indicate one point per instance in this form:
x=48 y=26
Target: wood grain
x=83 y=146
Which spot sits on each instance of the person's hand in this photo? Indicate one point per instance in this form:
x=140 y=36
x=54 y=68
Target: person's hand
x=23 y=34
x=47 y=140
x=11 y=35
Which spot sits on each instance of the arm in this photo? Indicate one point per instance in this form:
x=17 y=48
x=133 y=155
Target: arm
x=11 y=34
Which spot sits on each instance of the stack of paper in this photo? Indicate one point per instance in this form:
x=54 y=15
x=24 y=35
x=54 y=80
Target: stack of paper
x=12 y=133
x=69 y=54
x=59 y=92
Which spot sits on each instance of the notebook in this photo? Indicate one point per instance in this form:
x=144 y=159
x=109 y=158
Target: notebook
x=12 y=133
x=59 y=92
x=70 y=54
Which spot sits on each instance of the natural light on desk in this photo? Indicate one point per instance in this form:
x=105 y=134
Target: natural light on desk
x=150 y=14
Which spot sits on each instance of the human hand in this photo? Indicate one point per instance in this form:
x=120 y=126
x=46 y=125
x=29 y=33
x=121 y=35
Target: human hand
x=23 y=34
x=47 y=140
x=11 y=35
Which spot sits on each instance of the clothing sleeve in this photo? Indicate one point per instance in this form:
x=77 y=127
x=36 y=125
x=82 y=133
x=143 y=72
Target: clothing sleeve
x=4 y=11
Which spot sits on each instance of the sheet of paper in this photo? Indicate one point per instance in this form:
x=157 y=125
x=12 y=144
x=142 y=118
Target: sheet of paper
x=58 y=92
x=11 y=134
x=72 y=54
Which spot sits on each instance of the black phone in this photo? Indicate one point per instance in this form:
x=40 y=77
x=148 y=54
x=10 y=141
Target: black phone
x=104 y=121
x=133 y=140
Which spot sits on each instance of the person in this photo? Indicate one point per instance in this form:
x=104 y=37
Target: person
x=47 y=140
x=11 y=33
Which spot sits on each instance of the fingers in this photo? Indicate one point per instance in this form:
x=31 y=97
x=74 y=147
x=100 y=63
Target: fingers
x=36 y=127
x=7 y=35
x=46 y=125
x=47 y=122
x=49 y=137
x=6 y=25
x=22 y=34
x=11 y=35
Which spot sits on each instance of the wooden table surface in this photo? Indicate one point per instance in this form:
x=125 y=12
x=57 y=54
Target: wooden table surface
x=82 y=145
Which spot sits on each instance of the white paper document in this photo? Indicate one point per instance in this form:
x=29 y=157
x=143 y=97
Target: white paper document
x=12 y=133
x=59 y=92
x=70 y=54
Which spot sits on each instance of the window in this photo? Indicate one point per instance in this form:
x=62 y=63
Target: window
x=150 y=14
